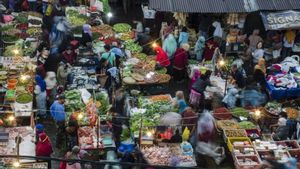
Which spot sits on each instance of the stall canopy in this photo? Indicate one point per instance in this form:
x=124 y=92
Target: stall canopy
x=203 y=6
x=278 y=4
x=281 y=20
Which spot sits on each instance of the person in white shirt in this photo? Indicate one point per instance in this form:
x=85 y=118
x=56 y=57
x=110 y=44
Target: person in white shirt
x=258 y=52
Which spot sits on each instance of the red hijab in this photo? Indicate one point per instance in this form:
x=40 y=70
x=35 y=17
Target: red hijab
x=43 y=147
x=162 y=57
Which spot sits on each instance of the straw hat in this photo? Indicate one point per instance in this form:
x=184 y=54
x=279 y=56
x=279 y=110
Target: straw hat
x=185 y=46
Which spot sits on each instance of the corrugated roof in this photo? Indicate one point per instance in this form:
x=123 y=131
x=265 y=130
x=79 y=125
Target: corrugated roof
x=198 y=6
x=278 y=4
x=222 y=6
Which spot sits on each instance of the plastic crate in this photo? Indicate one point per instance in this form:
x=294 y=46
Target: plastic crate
x=239 y=161
x=227 y=135
x=231 y=140
x=242 y=151
x=291 y=144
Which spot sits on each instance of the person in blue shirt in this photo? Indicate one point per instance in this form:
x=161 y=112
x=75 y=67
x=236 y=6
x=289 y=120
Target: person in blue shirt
x=180 y=102
x=58 y=114
x=183 y=36
x=118 y=53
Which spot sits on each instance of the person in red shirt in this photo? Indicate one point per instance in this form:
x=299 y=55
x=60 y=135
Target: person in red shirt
x=209 y=50
x=162 y=58
x=43 y=147
x=69 y=55
x=180 y=62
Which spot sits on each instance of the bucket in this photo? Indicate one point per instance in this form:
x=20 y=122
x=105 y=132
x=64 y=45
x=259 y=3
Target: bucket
x=12 y=82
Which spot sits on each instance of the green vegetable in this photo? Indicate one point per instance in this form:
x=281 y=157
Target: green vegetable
x=9 y=51
x=10 y=39
x=141 y=56
x=162 y=71
x=24 y=98
x=74 y=102
x=103 y=98
x=6 y=27
x=133 y=47
x=122 y=27
x=77 y=30
x=193 y=62
x=75 y=18
x=247 y=125
x=21 y=19
x=240 y=112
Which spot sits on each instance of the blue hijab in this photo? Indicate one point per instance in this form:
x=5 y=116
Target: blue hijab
x=41 y=82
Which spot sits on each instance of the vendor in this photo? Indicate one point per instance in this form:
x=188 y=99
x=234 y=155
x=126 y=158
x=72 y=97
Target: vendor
x=179 y=102
x=254 y=39
x=86 y=39
x=258 y=52
x=102 y=71
x=162 y=58
x=109 y=55
x=115 y=48
x=282 y=131
x=62 y=74
x=201 y=83
x=69 y=55
x=180 y=62
x=260 y=73
x=116 y=127
x=183 y=36
x=288 y=42
x=170 y=46
x=40 y=92
x=58 y=113
x=237 y=77
x=71 y=130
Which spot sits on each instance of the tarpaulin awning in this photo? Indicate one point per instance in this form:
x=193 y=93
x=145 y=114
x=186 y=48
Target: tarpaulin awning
x=281 y=20
x=203 y=6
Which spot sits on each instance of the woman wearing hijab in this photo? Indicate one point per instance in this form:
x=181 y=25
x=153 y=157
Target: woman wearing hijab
x=43 y=147
x=86 y=35
x=180 y=62
x=282 y=130
x=73 y=155
x=40 y=92
x=162 y=58
x=258 y=52
x=260 y=72
x=183 y=36
x=199 y=48
x=170 y=46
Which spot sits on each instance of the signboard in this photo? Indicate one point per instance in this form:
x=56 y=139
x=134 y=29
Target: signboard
x=281 y=20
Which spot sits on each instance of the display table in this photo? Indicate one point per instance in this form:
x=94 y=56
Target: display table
x=282 y=93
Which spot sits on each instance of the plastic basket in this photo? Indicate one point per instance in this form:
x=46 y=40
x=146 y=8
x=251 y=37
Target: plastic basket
x=231 y=140
x=222 y=113
x=240 y=133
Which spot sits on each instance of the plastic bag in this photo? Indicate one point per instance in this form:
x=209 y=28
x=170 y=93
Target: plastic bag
x=49 y=10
